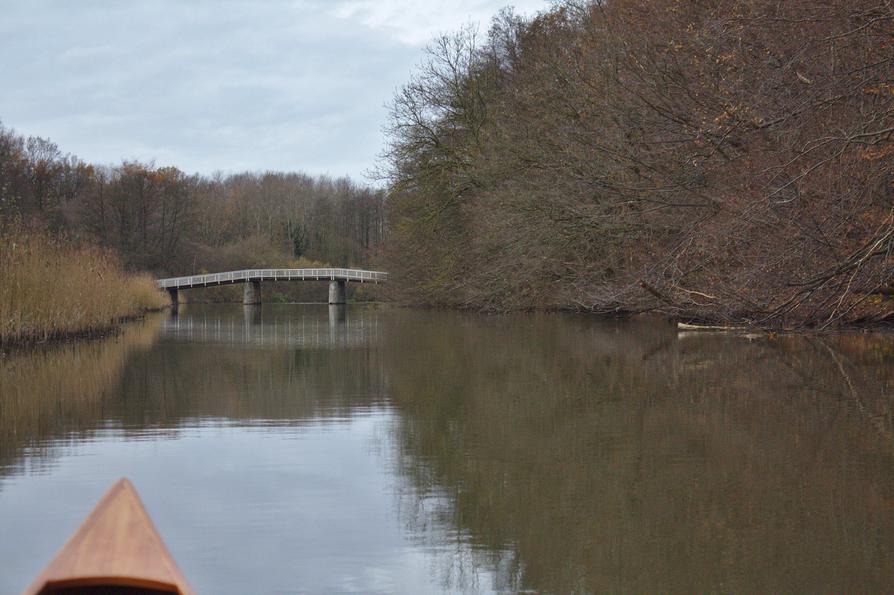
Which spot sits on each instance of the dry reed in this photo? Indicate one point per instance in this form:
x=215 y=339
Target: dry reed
x=51 y=287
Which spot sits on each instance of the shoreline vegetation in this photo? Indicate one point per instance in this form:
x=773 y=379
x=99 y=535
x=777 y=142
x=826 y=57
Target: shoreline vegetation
x=165 y=222
x=81 y=243
x=54 y=288
x=725 y=163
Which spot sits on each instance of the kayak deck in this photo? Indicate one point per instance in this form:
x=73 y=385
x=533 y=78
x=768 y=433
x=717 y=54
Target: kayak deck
x=117 y=549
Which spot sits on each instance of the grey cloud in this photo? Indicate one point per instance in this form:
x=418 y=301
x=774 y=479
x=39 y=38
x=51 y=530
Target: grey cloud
x=204 y=85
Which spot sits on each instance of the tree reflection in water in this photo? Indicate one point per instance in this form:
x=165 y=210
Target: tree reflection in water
x=61 y=390
x=579 y=456
x=556 y=453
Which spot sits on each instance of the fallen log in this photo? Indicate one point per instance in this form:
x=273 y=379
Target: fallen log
x=704 y=327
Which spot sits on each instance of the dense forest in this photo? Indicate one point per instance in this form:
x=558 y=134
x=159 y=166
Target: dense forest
x=161 y=220
x=722 y=160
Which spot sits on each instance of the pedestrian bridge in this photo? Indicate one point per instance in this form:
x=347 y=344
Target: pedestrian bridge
x=252 y=279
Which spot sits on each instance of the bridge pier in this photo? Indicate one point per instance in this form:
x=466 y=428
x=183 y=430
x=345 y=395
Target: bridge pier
x=174 y=294
x=251 y=295
x=337 y=292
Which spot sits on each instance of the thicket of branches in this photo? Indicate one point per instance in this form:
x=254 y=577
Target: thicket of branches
x=725 y=160
x=161 y=220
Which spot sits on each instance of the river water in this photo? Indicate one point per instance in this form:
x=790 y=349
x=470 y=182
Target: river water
x=315 y=449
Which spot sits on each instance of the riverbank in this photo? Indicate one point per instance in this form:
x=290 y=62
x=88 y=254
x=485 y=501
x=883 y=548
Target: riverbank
x=54 y=288
x=624 y=157
x=876 y=317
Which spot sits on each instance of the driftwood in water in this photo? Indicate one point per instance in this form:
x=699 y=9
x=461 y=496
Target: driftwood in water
x=704 y=327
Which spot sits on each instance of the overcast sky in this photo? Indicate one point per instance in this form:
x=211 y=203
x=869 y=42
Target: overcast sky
x=227 y=85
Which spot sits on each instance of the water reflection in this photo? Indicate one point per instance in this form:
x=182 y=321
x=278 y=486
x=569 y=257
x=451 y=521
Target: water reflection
x=252 y=315
x=277 y=367
x=62 y=390
x=271 y=326
x=338 y=315
x=584 y=457
x=337 y=449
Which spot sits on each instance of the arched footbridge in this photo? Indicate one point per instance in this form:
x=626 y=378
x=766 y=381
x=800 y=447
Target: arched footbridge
x=252 y=279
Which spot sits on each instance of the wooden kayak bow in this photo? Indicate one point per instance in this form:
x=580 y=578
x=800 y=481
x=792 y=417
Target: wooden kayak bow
x=116 y=549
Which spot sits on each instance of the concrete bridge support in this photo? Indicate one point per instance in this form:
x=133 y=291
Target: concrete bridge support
x=251 y=295
x=337 y=292
x=174 y=294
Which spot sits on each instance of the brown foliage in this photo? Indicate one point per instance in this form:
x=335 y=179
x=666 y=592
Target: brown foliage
x=721 y=160
x=162 y=220
x=52 y=288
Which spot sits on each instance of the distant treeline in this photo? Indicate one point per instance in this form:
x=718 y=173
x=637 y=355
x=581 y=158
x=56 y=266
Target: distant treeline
x=161 y=220
x=724 y=160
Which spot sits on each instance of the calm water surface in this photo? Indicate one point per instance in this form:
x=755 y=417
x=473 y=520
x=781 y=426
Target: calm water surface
x=293 y=449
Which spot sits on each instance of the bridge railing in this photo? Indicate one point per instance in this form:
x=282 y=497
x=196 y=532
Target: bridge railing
x=321 y=274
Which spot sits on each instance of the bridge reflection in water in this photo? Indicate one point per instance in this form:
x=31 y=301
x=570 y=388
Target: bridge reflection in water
x=264 y=327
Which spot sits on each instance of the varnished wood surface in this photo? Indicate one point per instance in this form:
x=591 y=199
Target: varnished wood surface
x=116 y=545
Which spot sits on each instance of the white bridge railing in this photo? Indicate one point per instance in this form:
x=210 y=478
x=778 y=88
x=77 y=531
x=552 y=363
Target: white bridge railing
x=272 y=275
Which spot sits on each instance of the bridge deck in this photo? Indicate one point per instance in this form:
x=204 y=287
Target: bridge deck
x=245 y=276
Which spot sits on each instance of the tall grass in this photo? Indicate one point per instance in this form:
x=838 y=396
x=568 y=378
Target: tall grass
x=51 y=287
